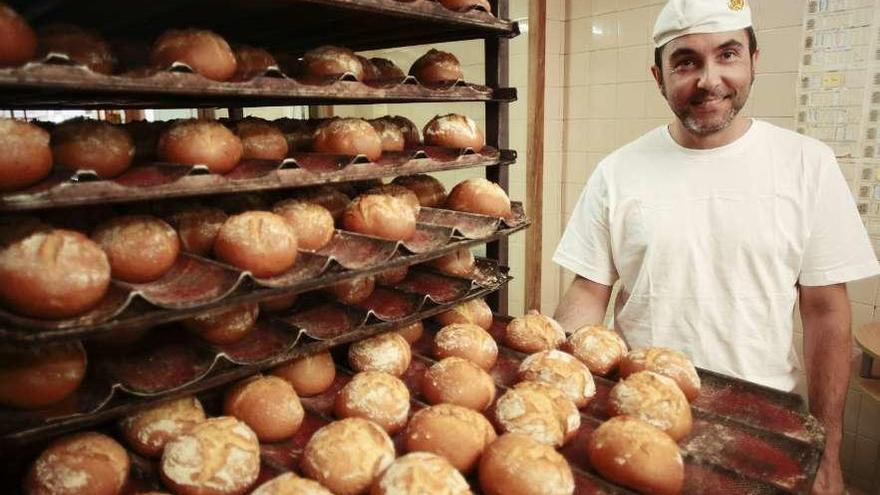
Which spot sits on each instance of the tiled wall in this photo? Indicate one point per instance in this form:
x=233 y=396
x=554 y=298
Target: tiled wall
x=610 y=99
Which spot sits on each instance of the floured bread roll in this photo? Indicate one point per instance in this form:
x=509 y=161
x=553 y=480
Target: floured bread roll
x=86 y=463
x=517 y=465
x=290 y=484
x=566 y=411
x=475 y=312
x=421 y=473
x=454 y=131
x=220 y=456
x=388 y=352
x=667 y=362
x=530 y=413
x=457 y=433
x=533 y=332
x=377 y=396
x=562 y=371
x=655 y=399
x=635 y=454
x=597 y=347
x=347 y=455
x=148 y=431
x=310 y=375
x=466 y=341
x=458 y=381
x=268 y=404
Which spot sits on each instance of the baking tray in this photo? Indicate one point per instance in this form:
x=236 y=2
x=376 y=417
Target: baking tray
x=170 y=362
x=196 y=285
x=288 y=26
x=145 y=181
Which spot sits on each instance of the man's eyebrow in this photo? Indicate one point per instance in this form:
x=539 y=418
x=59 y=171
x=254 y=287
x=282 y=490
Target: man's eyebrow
x=684 y=51
x=730 y=44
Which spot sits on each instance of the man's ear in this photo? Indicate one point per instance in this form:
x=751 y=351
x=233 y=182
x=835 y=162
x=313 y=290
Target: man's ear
x=658 y=78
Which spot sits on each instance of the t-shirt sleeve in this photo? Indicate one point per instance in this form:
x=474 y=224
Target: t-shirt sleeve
x=585 y=247
x=838 y=249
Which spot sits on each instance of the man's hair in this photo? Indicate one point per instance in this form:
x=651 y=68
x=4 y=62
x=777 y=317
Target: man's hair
x=753 y=47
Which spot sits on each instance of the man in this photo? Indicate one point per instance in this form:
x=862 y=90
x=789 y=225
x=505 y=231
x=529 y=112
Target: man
x=717 y=224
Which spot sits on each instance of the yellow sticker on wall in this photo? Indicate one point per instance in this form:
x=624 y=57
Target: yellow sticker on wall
x=831 y=80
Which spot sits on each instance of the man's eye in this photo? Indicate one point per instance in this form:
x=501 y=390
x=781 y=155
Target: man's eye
x=729 y=55
x=684 y=64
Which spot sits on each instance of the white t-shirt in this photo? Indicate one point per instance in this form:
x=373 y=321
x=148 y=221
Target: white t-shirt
x=710 y=244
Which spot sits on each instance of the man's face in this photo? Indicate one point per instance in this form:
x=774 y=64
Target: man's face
x=706 y=78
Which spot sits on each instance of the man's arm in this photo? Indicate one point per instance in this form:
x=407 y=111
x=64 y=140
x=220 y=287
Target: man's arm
x=584 y=303
x=825 y=312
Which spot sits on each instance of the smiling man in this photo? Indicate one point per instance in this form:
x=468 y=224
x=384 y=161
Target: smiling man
x=717 y=224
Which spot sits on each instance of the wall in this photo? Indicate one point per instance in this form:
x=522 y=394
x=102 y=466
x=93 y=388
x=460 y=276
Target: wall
x=610 y=99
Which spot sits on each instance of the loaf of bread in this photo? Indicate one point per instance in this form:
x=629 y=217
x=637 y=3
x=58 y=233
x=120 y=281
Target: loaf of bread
x=667 y=362
x=457 y=433
x=655 y=399
x=421 y=473
x=597 y=347
x=466 y=341
x=562 y=371
x=149 y=430
x=377 y=396
x=533 y=332
x=518 y=465
x=86 y=463
x=388 y=352
x=458 y=381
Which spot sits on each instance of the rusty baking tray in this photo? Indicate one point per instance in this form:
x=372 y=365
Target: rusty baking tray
x=170 y=362
x=146 y=181
x=196 y=285
x=288 y=26
x=746 y=438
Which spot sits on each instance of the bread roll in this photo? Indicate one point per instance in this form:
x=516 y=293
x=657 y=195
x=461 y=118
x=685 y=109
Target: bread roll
x=141 y=248
x=258 y=241
x=399 y=192
x=377 y=396
x=279 y=303
x=458 y=381
x=86 y=463
x=654 y=399
x=353 y=291
x=205 y=52
x=39 y=376
x=411 y=135
x=533 y=332
x=517 y=465
x=479 y=196
x=312 y=222
x=392 y=276
x=200 y=142
x=82 y=47
x=412 y=332
x=251 y=62
x=268 y=404
x=332 y=61
x=386 y=70
x=198 y=227
x=347 y=455
x=465 y=5
x=299 y=133
x=456 y=433
x=260 y=140
x=227 y=326
x=421 y=473
x=429 y=190
x=436 y=67
x=331 y=198
x=380 y=215
x=466 y=341
x=370 y=71
x=18 y=43
x=92 y=145
x=348 y=137
x=632 y=453
x=459 y=263
x=566 y=411
x=530 y=413
x=474 y=311
x=388 y=352
x=310 y=375
x=25 y=156
x=597 y=347
x=149 y=430
x=391 y=135
x=50 y=273
x=454 y=131
x=562 y=371
x=220 y=456
x=290 y=484
x=667 y=362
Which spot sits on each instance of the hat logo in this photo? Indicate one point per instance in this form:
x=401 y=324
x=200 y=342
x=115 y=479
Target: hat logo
x=736 y=5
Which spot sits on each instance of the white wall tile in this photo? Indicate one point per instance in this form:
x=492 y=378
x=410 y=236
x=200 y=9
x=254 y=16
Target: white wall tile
x=603 y=67
x=602 y=101
x=634 y=26
x=603 y=32
x=633 y=64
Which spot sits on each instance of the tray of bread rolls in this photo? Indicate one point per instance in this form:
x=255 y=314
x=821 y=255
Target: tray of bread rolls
x=184 y=66
x=115 y=372
x=453 y=408
x=152 y=160
x=161 y=262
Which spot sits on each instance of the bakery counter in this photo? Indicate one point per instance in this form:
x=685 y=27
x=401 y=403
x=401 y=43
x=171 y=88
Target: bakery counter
x=130 y=370
x=147 y=181
x=196 y=285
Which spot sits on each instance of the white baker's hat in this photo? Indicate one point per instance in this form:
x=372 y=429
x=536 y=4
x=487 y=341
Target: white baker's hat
x=682 y=17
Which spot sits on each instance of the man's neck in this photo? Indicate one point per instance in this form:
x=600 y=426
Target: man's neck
x=686 y=138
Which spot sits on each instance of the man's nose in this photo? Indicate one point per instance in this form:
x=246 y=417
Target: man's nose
x=710 y=76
